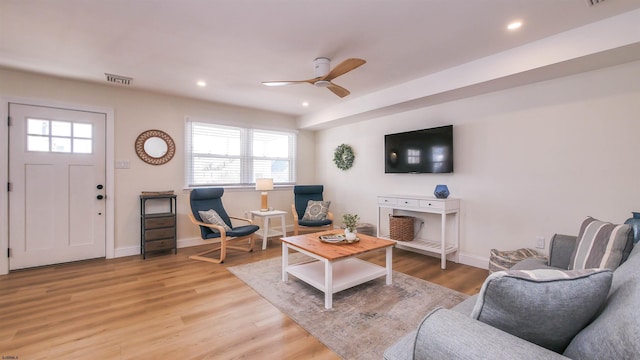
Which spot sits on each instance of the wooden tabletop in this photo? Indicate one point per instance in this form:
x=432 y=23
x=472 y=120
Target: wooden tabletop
x=311 y=243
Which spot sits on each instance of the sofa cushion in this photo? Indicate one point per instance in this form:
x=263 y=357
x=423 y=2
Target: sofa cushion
x=546 y=307
x=466 y=307
x=212 y=217
x=615 y=332
x=560 y=250
x=600 y=245
x=533 y=264
x=316 y=210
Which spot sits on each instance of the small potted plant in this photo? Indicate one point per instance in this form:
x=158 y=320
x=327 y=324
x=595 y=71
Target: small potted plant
x=350 y=222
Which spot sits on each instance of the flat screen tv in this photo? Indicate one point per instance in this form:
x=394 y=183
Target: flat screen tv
x=419 y=151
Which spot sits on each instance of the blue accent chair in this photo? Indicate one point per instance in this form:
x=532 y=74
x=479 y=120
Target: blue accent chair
x=302 y=194
x=211 y=198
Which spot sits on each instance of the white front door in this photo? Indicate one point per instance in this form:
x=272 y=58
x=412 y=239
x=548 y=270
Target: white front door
x=57 y=176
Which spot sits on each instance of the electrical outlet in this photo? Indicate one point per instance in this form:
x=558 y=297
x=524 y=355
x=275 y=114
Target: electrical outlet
x=540 y=242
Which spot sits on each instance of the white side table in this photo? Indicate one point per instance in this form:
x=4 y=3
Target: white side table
x=264 y=231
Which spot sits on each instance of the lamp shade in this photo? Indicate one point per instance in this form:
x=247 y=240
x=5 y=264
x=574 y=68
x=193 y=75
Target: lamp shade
x=264 y=184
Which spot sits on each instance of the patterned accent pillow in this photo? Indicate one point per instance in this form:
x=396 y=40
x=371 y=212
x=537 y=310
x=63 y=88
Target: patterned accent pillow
x=600 y=245
x=212 y=217
x=545 y=306
x=504 y=260
x=316 y=210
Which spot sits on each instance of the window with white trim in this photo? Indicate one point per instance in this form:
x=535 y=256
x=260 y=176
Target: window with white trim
x=59 y=136
x=223 y=155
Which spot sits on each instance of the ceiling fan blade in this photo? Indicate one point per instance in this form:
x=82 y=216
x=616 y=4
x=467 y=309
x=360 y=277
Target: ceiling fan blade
x=338 y=90
x=343 y=68
x=292 y=82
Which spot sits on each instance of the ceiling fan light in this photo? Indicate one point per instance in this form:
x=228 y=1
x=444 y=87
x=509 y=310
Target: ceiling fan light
x=322 y=83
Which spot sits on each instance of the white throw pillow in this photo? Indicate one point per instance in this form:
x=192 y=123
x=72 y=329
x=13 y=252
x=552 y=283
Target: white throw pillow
x=212 y=217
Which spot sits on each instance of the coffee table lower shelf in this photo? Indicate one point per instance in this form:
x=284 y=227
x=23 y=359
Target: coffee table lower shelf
x=345 y=274
x=333 y=275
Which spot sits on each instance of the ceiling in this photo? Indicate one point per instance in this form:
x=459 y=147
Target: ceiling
x=234 y=45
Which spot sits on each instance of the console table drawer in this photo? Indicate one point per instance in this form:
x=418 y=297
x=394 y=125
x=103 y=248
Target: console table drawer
x=439 y=205
x=387 y=200
x=159 y=234
x=407 y=202
x=160 y=245
x=398 y=201
x=159 y=222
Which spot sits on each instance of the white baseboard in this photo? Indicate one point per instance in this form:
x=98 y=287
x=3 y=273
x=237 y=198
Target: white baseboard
x=127 y=251
x=473 y=260
x=182 y=243
x=194 y=241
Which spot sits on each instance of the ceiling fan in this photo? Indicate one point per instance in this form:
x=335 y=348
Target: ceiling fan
x=323 y=75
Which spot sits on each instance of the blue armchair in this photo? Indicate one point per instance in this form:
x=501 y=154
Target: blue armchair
x=302 y=194
x=203 y=200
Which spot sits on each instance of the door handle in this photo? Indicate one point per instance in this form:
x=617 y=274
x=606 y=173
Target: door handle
x=100 y=197
x=100 y=187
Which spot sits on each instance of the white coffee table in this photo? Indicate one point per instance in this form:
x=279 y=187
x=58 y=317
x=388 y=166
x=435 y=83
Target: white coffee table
x=337 y=267
x=264 y=231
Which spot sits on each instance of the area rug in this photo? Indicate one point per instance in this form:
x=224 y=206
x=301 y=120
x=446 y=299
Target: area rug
x=364 y=320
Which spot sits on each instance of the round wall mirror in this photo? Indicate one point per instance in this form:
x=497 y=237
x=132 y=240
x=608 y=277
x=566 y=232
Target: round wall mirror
x=155 y=147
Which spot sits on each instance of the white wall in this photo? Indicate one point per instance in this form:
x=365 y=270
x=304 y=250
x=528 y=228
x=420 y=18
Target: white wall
x=137 y=111
x=529 y=161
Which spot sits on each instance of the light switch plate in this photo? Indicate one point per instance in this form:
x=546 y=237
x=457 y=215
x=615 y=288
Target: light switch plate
x=122 y=164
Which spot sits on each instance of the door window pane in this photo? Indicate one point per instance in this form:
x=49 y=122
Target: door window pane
x=37 y=143
x=82 y=130
x=37 y=127
x=60 y=144
x=60 y=128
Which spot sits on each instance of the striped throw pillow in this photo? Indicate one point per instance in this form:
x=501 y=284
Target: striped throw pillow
x=600 y=245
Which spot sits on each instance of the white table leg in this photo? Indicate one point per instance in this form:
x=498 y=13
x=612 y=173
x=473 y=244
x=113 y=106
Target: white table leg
x=328 y=284
x=443 y=255
x=265 y=234
x=389 y=257
x=283 y=226
x=457 y=236
x=285 y=261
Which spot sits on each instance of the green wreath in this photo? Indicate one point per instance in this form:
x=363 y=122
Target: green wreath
x=343 y=157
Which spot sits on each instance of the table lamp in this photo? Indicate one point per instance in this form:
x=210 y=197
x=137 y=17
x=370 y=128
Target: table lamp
x=264 y=185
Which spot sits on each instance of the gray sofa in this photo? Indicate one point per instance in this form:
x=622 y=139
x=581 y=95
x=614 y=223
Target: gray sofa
x=614 y=332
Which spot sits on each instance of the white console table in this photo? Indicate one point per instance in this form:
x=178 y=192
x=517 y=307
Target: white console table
x=425 y=204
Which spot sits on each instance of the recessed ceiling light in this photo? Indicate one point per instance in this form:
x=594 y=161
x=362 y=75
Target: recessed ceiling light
x=305 y=103
x=201 y=83
x=514 y=25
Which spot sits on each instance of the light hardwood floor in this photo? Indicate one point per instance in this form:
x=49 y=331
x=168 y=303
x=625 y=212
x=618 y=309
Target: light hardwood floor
x=169 y=307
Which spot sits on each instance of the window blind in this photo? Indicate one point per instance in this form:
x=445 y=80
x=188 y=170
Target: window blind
x=227 y=155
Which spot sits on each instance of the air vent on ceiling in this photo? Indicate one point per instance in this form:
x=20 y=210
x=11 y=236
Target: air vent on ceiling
x=594 y=2
x=117 y=79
